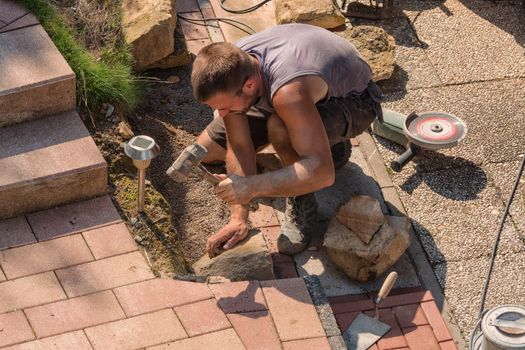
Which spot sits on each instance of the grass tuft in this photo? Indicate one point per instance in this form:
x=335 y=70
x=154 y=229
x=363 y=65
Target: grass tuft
x=107 y=78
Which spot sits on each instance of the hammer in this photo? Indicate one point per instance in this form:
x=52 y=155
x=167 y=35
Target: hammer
x=190 y=160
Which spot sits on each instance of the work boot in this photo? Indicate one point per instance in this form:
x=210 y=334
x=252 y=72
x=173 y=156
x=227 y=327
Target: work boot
x=341 y=153
x=300 y=220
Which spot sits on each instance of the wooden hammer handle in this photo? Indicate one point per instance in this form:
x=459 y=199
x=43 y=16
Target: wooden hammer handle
x=387 y=286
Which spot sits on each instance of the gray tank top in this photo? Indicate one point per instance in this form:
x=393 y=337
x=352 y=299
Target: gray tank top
x=288 y=51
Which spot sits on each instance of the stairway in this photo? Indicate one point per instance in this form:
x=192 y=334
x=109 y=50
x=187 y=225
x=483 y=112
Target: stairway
x=47 y=157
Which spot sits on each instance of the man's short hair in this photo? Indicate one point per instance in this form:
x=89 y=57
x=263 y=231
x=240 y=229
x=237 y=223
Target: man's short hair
x=220 y=67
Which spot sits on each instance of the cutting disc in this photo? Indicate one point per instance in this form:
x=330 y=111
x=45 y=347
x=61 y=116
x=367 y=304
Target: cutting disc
x=434 y=130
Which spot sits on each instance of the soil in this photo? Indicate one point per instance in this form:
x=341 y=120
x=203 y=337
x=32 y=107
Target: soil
x=179 y=217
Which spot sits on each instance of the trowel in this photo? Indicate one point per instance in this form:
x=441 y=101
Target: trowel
x=365 y=330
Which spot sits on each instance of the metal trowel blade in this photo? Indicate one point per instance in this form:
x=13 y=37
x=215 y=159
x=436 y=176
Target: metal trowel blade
x=364 y=332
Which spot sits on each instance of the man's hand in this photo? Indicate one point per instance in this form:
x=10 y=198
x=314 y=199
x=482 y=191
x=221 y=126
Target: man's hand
x=233 y=232
x=233 y=189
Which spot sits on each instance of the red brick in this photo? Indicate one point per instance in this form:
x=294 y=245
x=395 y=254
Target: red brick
x=202 y=317
x=73 y=218
x=74 y=340
x=285 y=270
x=187 y=6
x=137 y=332
x=350 y=306
x=405 y=299
x=263 y=217
x=448 y=345
x=307 y=344
x=394 y=338
x=15 y=232
x=73 y=314
x=436 y=321
x=15 y=328
x=104 y=274
x=347 y=298
x=226 y=339
x=292 y=310
x=235 y=297
x=110 y=240
x=194 y=46
x=421 y=337
x=30 y=291
x=45 y=256
x=159 y=294
x=344 y=320
x=256 y=330
x=410 y=315
x=193 y=30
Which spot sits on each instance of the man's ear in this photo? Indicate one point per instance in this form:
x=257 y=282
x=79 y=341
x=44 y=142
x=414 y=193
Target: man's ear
x=250 y=85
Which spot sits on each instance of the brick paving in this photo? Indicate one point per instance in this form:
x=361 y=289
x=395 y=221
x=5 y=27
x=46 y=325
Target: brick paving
x=72 y=277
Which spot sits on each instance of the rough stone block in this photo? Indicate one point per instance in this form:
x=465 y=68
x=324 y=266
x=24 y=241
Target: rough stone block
x=249 y=260
x=362 y=215
x=364 y=262
x=321 y=13
x=149 y=27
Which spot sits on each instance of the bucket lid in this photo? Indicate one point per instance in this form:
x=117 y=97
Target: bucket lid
x=504 y=326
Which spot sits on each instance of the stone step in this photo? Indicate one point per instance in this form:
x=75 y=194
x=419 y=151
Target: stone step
x=35 y=81
x=48 y=162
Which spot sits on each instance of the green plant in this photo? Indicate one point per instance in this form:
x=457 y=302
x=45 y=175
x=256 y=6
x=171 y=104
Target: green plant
x=107 y=79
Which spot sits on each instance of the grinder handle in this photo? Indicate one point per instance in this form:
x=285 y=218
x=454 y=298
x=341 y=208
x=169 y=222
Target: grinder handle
x=207 y=175
x=407 y=156
x=386 y=287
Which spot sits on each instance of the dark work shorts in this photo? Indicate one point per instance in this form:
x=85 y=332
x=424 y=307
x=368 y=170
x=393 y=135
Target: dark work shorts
x=343 y=118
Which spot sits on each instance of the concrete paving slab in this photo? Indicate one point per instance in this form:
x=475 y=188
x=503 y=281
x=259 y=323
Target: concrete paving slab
x=15 y=232
x=25 y=21
x=36 y=80
x=486 y=46
x=438 y=203
x=493 y=111
x=336 y=283
x=503 y=176
x=11 y=10
x=463 y=284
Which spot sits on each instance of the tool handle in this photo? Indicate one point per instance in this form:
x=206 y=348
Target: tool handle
x=207 y=175
x=402 y=160
x=387 y=286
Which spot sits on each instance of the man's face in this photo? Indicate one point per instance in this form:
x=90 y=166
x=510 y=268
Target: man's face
x=229 y=102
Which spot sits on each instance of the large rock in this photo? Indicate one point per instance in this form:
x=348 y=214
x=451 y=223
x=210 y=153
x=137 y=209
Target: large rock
x=149 y=26
x=321 y=13
x=362 y=215
x=376 y=46
x=249 y=260
x=365 y=262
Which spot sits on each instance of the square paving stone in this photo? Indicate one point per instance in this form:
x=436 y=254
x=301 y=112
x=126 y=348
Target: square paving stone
x=503 y=176
x=463 y=283
x=15 y=232
x=72 y=218
x=486 y=43
x=463 y=216
x=202 y=317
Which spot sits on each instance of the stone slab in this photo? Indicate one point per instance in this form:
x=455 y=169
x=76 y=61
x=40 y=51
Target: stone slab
x=236 y=297
x=336 y=283
x=15 y=328
x=11 y=10
x=15 y=232
x=226 y=339
x=493 y=37
x=72 y=218
x=44 y=166
x=25 y=21
x=36 y=81
x=256 y=330
x=73 y=340
x=202 y=317
x=110 y=240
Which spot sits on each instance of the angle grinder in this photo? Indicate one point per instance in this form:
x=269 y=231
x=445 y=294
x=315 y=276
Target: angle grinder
x=429 y=130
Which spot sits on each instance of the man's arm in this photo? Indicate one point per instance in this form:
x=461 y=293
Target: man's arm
x=240 y=160
x=295 y=106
